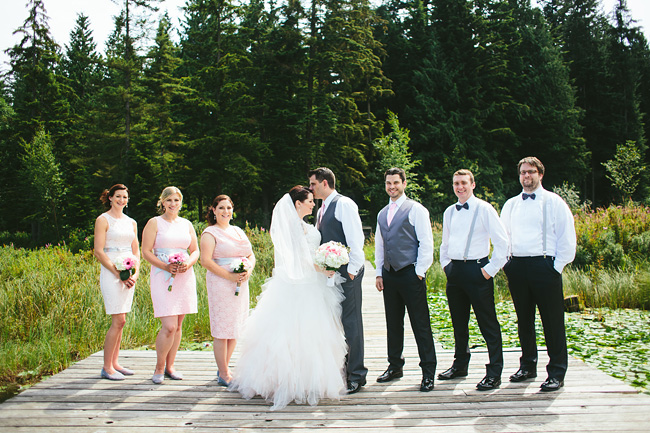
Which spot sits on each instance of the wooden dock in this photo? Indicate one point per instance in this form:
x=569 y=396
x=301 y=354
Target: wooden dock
x=77 y=400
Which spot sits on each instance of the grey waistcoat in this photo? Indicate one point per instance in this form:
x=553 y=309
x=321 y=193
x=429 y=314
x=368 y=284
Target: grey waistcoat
x=330 y=228
x=400 y=240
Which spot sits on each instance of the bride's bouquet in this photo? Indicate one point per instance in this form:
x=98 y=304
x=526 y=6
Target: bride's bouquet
x=126 y=265
x=331 y=256
x=239 y=266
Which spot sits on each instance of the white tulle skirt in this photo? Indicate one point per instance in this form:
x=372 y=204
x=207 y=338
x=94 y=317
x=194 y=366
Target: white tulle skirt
x=293 y=346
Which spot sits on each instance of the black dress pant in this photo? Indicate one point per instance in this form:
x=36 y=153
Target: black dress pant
x=403 y=290
x=467 y=287
x=533 y=281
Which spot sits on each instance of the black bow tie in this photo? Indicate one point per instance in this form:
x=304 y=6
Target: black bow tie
x=525 y=196
x=461 y=206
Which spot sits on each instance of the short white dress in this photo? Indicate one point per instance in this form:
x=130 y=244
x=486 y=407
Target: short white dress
x=119 y=237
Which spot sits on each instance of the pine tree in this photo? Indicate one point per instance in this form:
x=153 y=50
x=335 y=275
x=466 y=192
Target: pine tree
x=158 y=144
x=38 y=98
x=543 y=117
x=128 y=62
x=46 y=186
x=81 y=66
x=348 y=79
x=223 y=143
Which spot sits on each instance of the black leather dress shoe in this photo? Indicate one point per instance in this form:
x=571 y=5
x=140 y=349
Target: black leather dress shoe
x=552 y=384
x=354 y=387
x=522 y=375
x=452 y=373
x=427 y=384
x=389 y=375
x=488 y=383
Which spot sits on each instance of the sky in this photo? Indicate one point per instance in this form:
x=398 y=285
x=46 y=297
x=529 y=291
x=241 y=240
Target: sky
x=63 y=14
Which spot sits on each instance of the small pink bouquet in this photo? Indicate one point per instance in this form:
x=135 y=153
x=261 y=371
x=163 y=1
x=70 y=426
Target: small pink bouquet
x=331 y=256
x=238 y=266
x=177 y=258
x=126 y=265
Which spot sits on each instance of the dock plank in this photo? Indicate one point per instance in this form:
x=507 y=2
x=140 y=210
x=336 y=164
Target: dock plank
x=77 y=400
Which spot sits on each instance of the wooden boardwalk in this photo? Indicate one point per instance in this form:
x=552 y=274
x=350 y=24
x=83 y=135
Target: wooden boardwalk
x=77 y=400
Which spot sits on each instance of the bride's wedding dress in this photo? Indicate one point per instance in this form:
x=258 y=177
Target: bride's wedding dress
x=293 y=346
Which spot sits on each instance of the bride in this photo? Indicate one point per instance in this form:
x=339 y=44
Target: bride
x=293 y=346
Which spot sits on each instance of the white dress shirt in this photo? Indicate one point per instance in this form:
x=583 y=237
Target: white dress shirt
x=418 y=218
x=347 y=213
x=523 y=222
x=488 y=226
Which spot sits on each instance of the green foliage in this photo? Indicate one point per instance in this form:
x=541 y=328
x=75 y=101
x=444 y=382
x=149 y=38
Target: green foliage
x=392 y=150
x=624 y=170
x=611 y=237
x=43 y=173
x=259 y=92
x=570 y=195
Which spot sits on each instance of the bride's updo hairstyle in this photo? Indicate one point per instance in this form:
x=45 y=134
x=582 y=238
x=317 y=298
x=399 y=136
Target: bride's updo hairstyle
x=169 y=191
x=210 y=216
x=108 y=193
x=299 y=193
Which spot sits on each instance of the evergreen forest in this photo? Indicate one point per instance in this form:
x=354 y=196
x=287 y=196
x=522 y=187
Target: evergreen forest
x=245 y=97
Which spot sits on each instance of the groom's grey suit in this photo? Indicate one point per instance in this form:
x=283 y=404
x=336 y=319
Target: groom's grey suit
x=332 y=230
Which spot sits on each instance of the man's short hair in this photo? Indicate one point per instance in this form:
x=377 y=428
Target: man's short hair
x=464 y=172
x=324 y=173
x=531 y=160
x=395 y=170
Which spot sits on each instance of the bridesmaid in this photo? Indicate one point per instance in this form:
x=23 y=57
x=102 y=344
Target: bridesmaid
x=115 y=235
x=222 y=243
x=173 y=285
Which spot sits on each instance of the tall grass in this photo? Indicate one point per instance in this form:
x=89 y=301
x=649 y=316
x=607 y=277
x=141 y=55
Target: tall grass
x=53 y=311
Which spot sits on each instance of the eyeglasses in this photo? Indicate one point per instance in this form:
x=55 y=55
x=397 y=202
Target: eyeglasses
x=525 y=172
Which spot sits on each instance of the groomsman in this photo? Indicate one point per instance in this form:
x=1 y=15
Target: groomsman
x=467 y=228
x=338 y=220
x=542 y=241
x=403 y=253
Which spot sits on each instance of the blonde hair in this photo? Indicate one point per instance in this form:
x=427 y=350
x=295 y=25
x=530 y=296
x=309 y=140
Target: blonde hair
x=169 y=191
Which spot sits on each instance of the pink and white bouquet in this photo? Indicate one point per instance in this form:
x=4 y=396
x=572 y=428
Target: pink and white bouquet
x=239 y=266
x=127 y=265
x=177 y=258
x=331 y=256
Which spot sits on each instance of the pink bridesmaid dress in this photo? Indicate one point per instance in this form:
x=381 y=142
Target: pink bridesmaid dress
x=170 y=239
x=227 y=311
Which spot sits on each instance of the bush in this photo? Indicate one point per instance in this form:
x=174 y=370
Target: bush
x=17 y=240
x=613 y=237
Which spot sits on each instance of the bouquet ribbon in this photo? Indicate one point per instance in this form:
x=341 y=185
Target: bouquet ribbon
x=163 y=254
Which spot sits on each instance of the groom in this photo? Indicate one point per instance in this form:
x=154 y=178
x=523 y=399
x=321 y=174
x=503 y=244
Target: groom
x=338 y=220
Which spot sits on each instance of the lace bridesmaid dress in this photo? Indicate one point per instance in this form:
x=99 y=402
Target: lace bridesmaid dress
x=227 y=311
x=170 y=239
x=117 y=297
